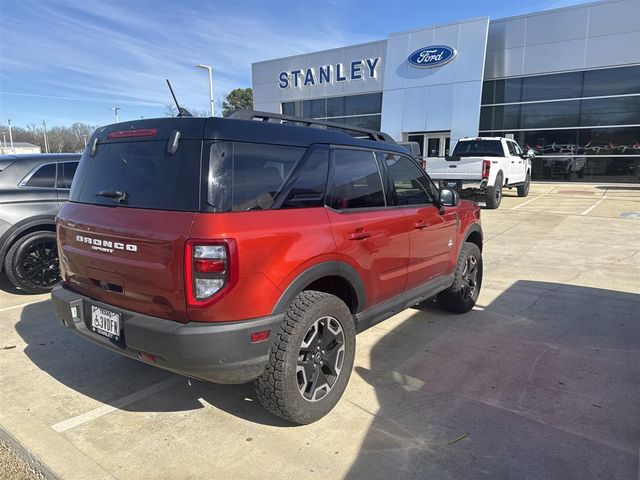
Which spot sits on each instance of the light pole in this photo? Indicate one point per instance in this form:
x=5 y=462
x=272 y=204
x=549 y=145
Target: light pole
x=46 y=145
x=10 y=136
x=4 y=138
x=85 y=140
x=208 y=67
x=115 y=110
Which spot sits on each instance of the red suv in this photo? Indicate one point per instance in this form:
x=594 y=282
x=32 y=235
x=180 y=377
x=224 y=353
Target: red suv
x=232 y=250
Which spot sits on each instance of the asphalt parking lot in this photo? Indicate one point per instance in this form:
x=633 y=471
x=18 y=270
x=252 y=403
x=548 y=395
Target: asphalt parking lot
x=541 y=380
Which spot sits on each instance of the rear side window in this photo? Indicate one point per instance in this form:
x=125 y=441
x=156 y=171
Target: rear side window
x=143 y=170
x=410 y=185
x=248 y=176
x=356 y=180
x=66 y=171
x=306 y=187
x=44 y=177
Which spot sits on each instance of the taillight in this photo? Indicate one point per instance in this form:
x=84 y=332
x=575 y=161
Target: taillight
x=486 y=167
x=211 y=270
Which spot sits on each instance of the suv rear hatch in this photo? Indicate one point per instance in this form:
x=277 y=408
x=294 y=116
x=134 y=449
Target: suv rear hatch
x=132 y=204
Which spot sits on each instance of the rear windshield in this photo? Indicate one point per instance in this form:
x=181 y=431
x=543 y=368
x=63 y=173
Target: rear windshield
x=144 y=172
x=478 y=148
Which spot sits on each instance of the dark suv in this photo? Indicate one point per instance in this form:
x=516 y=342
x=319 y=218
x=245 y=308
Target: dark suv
x=232 y=250
x=32 y=189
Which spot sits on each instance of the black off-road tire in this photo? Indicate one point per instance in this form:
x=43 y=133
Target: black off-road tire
x=493 y=196
x=31 y=263
x=278 y=388
x=457 y=297
x=523 y=190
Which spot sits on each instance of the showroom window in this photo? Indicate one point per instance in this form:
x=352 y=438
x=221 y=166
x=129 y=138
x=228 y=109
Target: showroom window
x=580 y=125
x=354 y=110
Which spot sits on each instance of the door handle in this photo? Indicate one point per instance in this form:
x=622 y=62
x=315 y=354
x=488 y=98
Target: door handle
x=420 y=225
x=359 y=235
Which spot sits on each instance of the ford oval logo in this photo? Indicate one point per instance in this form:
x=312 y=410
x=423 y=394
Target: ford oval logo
x=433 y=56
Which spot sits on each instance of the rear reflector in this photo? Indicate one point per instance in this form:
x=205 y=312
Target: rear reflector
x=147 y=357
x=260 y=336
x=143 y=132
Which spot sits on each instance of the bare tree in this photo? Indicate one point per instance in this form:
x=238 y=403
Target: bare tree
x=61 y=139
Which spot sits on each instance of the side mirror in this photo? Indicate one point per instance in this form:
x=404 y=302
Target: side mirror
x=449 y=198
x=531 y=153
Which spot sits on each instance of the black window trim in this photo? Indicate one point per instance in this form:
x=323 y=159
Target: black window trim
x=33 y=171
x=331 y=185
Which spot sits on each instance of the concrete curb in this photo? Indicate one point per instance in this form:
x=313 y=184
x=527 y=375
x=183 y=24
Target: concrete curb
x=42 y=448
x=27 y=457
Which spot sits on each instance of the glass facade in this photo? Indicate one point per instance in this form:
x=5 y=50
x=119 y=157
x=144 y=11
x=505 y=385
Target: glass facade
x=581 y=125
x=354 y=110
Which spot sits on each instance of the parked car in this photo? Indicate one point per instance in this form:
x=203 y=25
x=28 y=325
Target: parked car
x=484 y=166
x=32 y=189
x=561 y=161
x=232 y=250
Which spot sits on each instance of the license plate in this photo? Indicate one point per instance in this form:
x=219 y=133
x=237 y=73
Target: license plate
x=452 y=184
x=105 y=322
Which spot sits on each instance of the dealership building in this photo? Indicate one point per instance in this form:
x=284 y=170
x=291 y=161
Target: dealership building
x=564 y=83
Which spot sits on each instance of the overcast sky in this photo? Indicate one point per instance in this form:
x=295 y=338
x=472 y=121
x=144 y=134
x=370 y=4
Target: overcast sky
x=64 y=61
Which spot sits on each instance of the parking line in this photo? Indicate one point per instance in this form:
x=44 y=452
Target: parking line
x=6 y=309
x=115 y=405
x=528 y=201
x=595 y=204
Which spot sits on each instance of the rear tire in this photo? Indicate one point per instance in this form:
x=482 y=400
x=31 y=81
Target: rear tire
x=493 y=197
x=462 y=295
x=32 y=262
x=523 y=190
x=311 y=359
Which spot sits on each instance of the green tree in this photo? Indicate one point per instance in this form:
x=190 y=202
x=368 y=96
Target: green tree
x=237 y=99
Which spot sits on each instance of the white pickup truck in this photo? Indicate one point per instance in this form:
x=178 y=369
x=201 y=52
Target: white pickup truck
x=483 y=165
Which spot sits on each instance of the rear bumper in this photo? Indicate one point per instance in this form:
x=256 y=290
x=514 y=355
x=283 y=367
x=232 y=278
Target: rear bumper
x=220 y=352
x=463 y=184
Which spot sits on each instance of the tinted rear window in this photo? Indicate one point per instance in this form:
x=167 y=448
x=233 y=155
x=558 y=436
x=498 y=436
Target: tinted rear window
x=248 y=176
x=478 y=148
x=150 y=177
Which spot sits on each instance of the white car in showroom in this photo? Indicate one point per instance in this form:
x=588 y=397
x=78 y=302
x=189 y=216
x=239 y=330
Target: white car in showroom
x=484 y=166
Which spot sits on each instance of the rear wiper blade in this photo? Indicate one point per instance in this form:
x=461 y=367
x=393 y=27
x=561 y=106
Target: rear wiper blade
x=120 y=197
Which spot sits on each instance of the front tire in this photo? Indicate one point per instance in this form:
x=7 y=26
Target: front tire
x=311 y=359
x=462 y=295
x=523 y=190
x=32 y=262
x=494 y=194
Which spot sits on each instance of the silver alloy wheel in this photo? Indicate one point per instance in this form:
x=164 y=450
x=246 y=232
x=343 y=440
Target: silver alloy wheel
x=320 y=358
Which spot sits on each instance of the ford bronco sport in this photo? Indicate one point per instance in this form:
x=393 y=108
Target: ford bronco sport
x=232 y=250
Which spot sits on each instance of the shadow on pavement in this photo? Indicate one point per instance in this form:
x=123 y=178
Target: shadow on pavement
x=541 y=383
x=108 y=377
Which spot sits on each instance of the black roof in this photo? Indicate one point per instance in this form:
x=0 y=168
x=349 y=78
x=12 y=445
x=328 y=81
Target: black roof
x=216 y=128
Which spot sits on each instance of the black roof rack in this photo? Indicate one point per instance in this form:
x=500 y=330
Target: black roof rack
x=310 y=122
